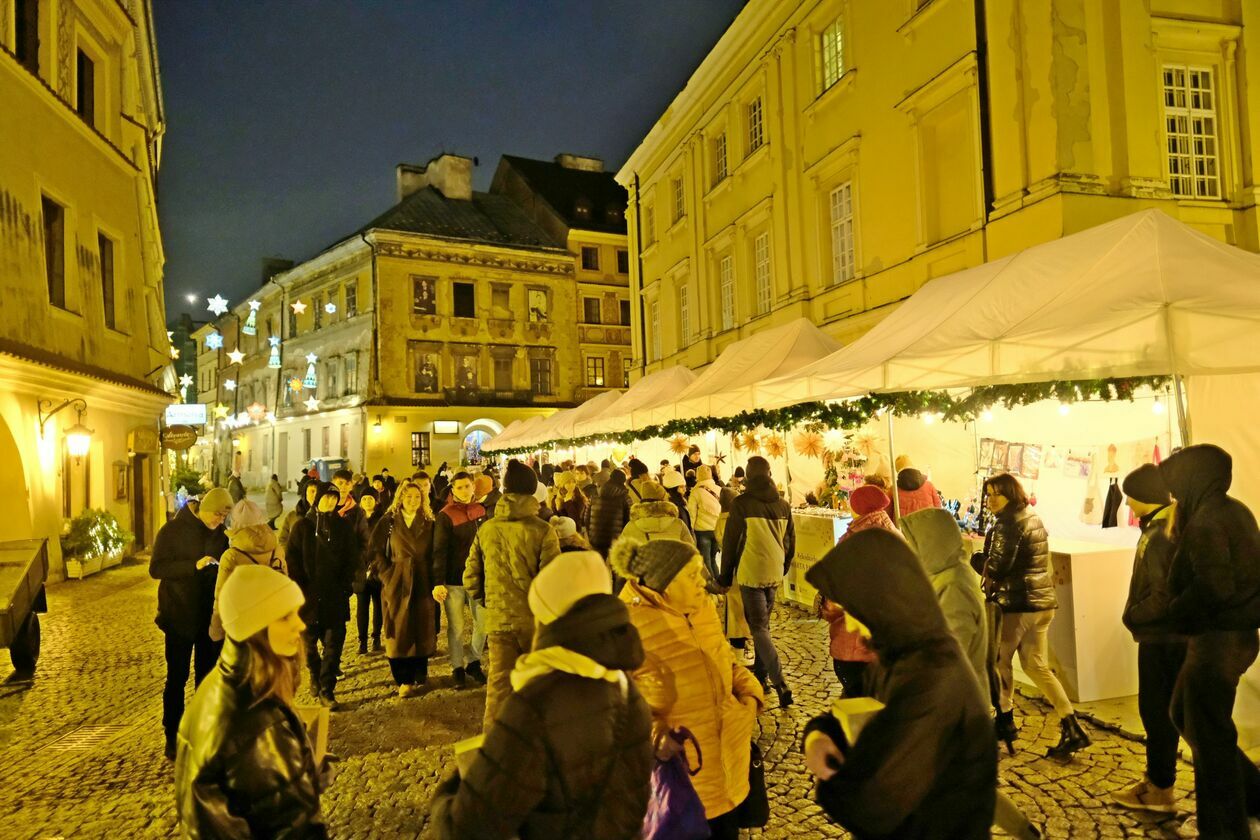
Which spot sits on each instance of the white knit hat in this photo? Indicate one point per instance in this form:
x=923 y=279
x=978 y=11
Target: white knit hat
x=565 y=527
x=672 y=478
x=567 y=579
x=253 y=597
x=246 y=514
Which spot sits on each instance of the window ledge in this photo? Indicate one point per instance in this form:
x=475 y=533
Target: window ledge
x=749 y=160
x=676 y=226
x=718 y=188
x=114 y=332
x=909 y=29
x=62 y=312
x=831 y=94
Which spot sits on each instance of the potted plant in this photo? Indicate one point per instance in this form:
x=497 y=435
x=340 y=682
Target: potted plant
x=94 y=540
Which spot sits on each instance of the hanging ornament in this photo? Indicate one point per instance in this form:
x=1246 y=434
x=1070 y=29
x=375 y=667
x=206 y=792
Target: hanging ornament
x=185 y=380
x=309 y=381
x=220 y=411
x=230 y=384
x=236 y=356
x=312 y=404
x=214 y=341
x=330 y=308
x=809 y=444
x=273 y=361
x=749 y=442
x=835 y=440
x=678 y=444
x=774 y=445
x=174 y=352
x=298 y=307
x=295 y=384
x=256 y=411
x=217 y=304
x=250 y=327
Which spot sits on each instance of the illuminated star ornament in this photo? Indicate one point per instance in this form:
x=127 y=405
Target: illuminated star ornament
x=217 y=304
x=214 y=341
x=185 y=380
x=220 y=411
x=230 y=384
x=236 y=356
x=250 y=327
x=330 y=308
x=311 y=404
x=298 y=307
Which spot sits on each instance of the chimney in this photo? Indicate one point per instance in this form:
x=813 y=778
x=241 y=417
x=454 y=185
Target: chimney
x=451 y=175
x=584 y=164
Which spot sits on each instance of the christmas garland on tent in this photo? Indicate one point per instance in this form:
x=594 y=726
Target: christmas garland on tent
x=855 y=413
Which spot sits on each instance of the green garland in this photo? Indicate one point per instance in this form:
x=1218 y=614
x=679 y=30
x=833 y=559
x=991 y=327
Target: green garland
x=855 y=413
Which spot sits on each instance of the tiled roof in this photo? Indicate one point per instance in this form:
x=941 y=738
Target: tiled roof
x=485 y=219
x=568 y=190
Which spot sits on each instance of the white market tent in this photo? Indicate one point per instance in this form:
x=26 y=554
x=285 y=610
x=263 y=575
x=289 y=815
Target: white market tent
x=1142 y=295
x=652 y=389
x=515 y=430
x=764 y=355
x=560 y=425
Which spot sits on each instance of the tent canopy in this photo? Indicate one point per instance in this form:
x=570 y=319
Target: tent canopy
x=560 y=425
x=1142 y=295
x=654 y=388
x=767 y=354
x=514 y=430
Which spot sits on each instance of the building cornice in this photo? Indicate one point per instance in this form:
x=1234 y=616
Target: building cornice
x=45 y=374
x=554 y=261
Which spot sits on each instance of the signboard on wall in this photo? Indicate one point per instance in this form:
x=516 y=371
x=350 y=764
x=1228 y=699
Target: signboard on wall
x=179 y=437
x=186 y=414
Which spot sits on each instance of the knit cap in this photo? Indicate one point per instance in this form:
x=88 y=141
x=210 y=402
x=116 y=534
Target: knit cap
x=216 y=500
x=247 y=514
x=704 y=472
x=254 y=597
x=672 y=478
x=564 y=581
x=1146 y=484
x=650 y=491
x=519 y=478
x=482 y=485
x=867 y=499
x=654 y=564
x=565 y=527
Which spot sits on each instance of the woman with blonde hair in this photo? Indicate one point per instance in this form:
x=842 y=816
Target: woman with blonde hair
x=567 y=499
x=243 y=764
x=402 y=548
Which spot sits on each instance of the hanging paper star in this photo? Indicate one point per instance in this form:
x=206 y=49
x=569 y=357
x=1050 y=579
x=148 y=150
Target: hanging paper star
x=774 y=446
x=214 y=341
x=298 y=307
x=185 y=380
x=220 y=411
x=312 y=404
x=749 y=442
x=230 y=384
x=678 y=444
x=809 y=444
x=236 y=356
x=217 y=304
x=330 y=308
x=295 y=384
x=274 y=340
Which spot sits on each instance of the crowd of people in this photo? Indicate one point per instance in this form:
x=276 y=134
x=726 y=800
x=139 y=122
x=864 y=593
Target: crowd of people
x=611 y=608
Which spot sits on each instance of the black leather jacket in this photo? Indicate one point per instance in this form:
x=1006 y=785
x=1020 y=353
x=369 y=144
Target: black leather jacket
x=244 y=769
x=1016 y=563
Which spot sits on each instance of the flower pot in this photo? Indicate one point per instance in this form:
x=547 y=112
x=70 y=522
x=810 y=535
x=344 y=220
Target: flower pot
x=78 y=567
x=111 y=560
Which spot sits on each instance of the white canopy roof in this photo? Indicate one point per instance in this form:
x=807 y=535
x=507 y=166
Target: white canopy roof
x=560 y=425
x=514 y=430
x=1142 y=295
x=654 y=388
x=725 y=387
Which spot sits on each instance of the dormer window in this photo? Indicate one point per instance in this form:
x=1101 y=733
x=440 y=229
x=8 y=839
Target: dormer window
x=582 y=208
x=613 y=214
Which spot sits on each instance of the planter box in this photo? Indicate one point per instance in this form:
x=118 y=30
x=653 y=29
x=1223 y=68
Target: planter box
x=79 y=568
x=112 y=560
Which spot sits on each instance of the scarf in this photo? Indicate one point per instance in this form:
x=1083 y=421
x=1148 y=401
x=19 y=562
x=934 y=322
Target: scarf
x=543 y=661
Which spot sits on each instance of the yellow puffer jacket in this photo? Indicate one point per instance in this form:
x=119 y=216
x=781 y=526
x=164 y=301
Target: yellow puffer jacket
x=689 y=678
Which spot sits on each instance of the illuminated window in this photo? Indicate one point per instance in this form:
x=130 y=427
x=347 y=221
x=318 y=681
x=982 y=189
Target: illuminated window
x=684 y=316
x=726 y=278
x=1190 y=125
x=831 y=54
x=756 y=136
x=680 y=206
x=719 y=158
x=842 y=256
x=595 y=371
x=761 y=272
x=419 y=449
x=654 y=328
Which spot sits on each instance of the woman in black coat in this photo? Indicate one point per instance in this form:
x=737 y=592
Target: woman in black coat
x=322 y=560
x=1017 y=575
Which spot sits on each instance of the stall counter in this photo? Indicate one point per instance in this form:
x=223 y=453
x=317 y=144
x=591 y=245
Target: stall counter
x=816 y=534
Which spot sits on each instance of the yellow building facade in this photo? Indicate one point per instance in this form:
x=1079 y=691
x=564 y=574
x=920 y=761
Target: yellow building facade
x=828 y=158
x=82 y=321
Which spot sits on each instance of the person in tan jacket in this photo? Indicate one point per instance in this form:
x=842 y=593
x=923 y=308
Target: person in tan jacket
x=690 y=677
x=250 y=542
x=655 y=518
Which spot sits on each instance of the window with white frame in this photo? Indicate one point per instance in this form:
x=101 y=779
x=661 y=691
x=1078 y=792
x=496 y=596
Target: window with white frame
x=1191 y=128
x=595 y=371
x=684 y=316
x=726 y=283
x=720 y=170
x=842 y=257
x=761 y=272
x=830 y=55
x=649 y=226
x=654 y=327
x=756 y=136
x=680 y=205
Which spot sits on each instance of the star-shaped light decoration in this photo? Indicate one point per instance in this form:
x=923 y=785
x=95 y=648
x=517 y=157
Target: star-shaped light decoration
x=311 y=358
x=330 y=308
x=170 y=335
x=236 y=356
x=256 y=410
x=217 y=304
x=220 y=411
x=174 y=352
x=214 y=341
x=185 y=380
x=250 y=327
x=311 y=404
x=255 y=305
x=298 y=307
x=270 y=417
x=273 y=340
x=230 y=384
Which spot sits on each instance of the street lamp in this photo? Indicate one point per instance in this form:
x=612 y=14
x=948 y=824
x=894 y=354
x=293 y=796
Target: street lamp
x=78 y=436
x=377 y=428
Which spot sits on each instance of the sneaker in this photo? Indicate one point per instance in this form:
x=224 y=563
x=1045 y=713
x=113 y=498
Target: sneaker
x=460 y=680
x=1144 y=796
x=409 y=690
x=474 y=670
x=1189 y=828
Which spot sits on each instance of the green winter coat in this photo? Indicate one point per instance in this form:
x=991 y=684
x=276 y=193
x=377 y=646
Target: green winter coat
x=934 y=536
x=506 y=554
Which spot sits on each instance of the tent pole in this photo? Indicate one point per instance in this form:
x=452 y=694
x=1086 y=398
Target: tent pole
x=1183 y=419
x=892 y=468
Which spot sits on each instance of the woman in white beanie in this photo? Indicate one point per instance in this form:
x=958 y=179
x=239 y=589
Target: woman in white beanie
x=244 y=766
x=251 y=542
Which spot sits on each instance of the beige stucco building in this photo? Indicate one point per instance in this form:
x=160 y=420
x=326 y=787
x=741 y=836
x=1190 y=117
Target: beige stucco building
x=828 y=158
x=81 y=126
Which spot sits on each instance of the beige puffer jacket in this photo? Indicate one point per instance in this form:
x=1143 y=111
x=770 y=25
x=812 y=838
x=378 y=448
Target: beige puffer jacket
x=253 y=545
x=506 y=554
x=656 y=521
x=705 y=505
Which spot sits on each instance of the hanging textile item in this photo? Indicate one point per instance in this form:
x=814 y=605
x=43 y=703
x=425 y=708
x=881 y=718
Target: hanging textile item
x=1111 y=508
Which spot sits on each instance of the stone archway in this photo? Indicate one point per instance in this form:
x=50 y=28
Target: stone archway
x=476 y=435
x=16 y=524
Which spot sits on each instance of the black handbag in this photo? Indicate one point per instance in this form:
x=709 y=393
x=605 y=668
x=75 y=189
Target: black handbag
x=754 y=811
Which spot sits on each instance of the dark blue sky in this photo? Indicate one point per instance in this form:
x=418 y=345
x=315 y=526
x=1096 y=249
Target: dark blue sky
x=285 y=118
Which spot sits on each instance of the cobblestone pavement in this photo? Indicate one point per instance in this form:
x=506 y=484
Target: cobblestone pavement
x=102 y=667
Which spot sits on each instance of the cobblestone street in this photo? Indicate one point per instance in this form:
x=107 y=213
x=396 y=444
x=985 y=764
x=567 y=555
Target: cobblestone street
x=81 y=748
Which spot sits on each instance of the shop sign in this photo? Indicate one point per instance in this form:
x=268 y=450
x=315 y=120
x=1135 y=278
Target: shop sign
x=143 y=439
x=179 y=437
x=186 y=414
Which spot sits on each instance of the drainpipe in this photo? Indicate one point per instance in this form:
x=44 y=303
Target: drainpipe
x=638 y=250
x=982 y=82
x=374 y=364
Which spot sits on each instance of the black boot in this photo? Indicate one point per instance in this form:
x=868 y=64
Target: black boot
x=460 y=680
x=376 y=643
x=474 y=670
x=785 y=695
x=1071 y=738
x=1004 y=725
x=362 y=647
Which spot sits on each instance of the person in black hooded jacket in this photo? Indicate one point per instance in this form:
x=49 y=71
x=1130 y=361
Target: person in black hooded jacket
x=1214 y=592
x=322 y=561
x=924 y=767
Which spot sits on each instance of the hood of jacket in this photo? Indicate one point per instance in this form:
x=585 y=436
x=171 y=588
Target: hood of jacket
x=762 y=488
x=860 y=573
x=934 y=536
x=708 y=484
x=256 y=539
x=1197 y=472
x=516 y=506
x=597 y=627
x=653 y=516
x=910 y=479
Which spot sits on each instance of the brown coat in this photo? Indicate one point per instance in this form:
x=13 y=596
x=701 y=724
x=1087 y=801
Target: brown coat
x=406 y=585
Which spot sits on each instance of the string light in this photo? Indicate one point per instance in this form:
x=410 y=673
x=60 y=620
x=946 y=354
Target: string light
x=1064 y=409
x=1158 y=406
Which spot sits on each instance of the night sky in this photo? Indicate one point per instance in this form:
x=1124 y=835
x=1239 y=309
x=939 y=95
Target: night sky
x=285 y=118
